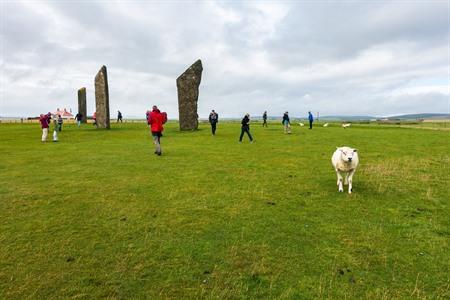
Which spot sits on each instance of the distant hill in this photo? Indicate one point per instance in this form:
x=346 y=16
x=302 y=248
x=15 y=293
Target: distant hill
x=420 y=116
x=399 y=117
x=348 y=118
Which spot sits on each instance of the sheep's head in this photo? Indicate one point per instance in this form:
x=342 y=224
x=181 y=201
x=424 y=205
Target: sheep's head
x=347 y=153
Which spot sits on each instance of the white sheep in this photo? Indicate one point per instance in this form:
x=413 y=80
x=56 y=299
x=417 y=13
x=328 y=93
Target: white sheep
x=346 y=125
x=345 y=160
x=301 y=124
x=325 y=125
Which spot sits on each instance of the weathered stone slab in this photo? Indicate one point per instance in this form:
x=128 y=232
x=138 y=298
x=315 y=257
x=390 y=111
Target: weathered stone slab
x=82 y=104
x=187 y=85
x=102 y=98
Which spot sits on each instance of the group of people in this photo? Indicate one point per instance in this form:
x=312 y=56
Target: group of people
x=156 y=119
x=287 y=123
x=245 y=128
x=79 y=118
x=45 y=121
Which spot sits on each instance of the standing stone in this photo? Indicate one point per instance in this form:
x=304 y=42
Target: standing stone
x=102 y=98
x=187 y=85
x=82 y=104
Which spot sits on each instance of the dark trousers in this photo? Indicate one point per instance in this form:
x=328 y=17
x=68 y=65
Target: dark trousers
x=213 y=128
x=264 y=122
x=247 y=130
x=310 y=124
x=157 y=141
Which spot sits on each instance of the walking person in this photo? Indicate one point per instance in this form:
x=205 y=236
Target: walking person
x=79 y=118
x=45 y=121
x=156 y=119
x=246 y=128
x=119 y=116
x=286 y=123
x=265 y=119
x=147 y=117
x=213 y=119
x=311 y=119
x=94 y=116
x=60 y=122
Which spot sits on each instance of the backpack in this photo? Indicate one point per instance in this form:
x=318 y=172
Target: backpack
x=164 y=117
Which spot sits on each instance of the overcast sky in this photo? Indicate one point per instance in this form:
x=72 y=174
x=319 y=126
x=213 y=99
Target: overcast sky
x=335 y=57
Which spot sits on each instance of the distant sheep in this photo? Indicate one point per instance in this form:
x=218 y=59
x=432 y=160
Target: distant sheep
x=301 y=124
x=346 y=125
x=325 y=125
x=345 y=160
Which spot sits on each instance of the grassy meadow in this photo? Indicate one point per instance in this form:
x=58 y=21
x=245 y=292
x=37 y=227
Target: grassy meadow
x=98 y=215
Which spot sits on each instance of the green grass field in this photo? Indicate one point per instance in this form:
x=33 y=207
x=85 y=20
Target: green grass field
x=98 y=215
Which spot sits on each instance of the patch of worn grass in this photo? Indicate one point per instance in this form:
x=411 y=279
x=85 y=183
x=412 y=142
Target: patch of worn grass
x=99 y=215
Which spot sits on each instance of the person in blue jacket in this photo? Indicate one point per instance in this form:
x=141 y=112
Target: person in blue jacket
x=311 y=119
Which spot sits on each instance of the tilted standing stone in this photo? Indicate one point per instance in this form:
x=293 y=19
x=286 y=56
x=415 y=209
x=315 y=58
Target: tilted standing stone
x=187 y=85
x=82 y=104
x=102 y=98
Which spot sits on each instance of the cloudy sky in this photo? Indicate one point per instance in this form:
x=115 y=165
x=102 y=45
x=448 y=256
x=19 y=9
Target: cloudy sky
x=334 y=57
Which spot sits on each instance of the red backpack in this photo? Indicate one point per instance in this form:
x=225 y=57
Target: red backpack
x=164 y=117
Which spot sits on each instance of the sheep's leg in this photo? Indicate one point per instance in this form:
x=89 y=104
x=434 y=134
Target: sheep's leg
x=350 y=181
x=346 y=179
x=339 y=181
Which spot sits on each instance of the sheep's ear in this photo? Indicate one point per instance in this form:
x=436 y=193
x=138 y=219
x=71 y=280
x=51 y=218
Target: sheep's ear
x=337 y=147
x=355 y=150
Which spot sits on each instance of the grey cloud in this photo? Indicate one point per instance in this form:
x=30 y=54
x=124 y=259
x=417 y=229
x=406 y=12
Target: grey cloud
x=247 y=68
x=332 y=31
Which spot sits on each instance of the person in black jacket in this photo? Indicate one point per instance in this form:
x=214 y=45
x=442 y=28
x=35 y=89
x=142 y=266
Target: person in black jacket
x=286 y=123
x=79 y=118
x=246 y=128
x=213 y=119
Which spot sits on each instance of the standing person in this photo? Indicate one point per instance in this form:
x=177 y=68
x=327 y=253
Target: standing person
x=286 y=123
x=45 y=121
x=119 y=116
x=56 y=127
x=78 y=118
x=94 y=116
x=156 y=119
x=147 y=117
x=213 y=119
x=60 y=122
x=311 y=119
x=246 y=128
x=265 y=118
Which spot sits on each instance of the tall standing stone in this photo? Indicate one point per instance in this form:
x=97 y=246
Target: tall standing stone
x=187 y=85
x=82 y=104
x=102 y=98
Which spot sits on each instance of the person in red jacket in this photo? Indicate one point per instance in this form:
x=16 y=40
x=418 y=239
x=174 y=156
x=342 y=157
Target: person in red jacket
x=45 y=121
x=94 y=116
x=156 y=119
